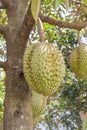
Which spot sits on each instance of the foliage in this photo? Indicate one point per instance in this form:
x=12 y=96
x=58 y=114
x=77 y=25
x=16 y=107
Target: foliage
x=2 y=76
x=2 y=93
x=3 y=17
x=2 y=48
x=85 y=125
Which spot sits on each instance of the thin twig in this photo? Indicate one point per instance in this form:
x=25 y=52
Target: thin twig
x=79 y=40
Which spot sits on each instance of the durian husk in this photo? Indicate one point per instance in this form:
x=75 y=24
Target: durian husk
x=36 y=121
x=38 y=104
x=44 y=68
x=78 y=61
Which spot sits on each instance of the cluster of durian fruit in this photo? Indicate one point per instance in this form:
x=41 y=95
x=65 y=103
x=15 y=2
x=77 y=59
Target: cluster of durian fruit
x=44 y=70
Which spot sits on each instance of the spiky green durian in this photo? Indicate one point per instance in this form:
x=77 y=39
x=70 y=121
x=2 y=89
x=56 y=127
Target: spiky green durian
x=78 y=61
x=36 y=120
x=44 y=68
x=27 y=62
x=38 y=104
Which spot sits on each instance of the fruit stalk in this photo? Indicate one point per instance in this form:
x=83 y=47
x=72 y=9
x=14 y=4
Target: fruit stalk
x=40 y=30
x=79 y=40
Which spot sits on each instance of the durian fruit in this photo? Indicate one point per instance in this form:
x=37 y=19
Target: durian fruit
x=44 y=68
x=78 y=61
x=27 y=62
x=38 y=104
x=36 y=120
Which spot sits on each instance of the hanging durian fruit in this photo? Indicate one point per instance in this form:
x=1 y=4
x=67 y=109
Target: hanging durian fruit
x=44 y=68
x=38 y=104
x=78 y=61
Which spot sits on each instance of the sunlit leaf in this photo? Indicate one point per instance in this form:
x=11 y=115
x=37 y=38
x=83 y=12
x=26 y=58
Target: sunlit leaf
x=3 y=17
x=57 y=3
x=35 y=6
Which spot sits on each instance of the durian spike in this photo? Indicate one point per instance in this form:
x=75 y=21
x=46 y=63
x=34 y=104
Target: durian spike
x=79 y=40
x=40 y=30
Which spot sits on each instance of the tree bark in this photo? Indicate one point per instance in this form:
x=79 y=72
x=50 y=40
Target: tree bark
x=18 y=109
x=3 y=65
x=73 y=25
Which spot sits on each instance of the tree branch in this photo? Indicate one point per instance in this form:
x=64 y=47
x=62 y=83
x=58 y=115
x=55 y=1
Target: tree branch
x=77 y=25
x=26 y=26
x=3 y=65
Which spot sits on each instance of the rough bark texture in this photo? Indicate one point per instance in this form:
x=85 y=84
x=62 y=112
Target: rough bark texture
x=73 y=25
x=18 y=111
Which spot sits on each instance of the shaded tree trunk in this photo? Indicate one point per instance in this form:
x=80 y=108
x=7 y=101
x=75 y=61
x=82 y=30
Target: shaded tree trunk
x=18 y=110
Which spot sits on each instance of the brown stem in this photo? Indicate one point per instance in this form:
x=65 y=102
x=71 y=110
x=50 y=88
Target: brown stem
x=40 y=29
x=79 y=40
x=74 y=25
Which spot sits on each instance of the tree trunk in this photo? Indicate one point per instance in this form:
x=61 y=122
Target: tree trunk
x=18 y=110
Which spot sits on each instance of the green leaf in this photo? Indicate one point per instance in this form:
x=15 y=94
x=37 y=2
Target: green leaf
x=57 y=3
x=35 y=6
x=66 y=2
